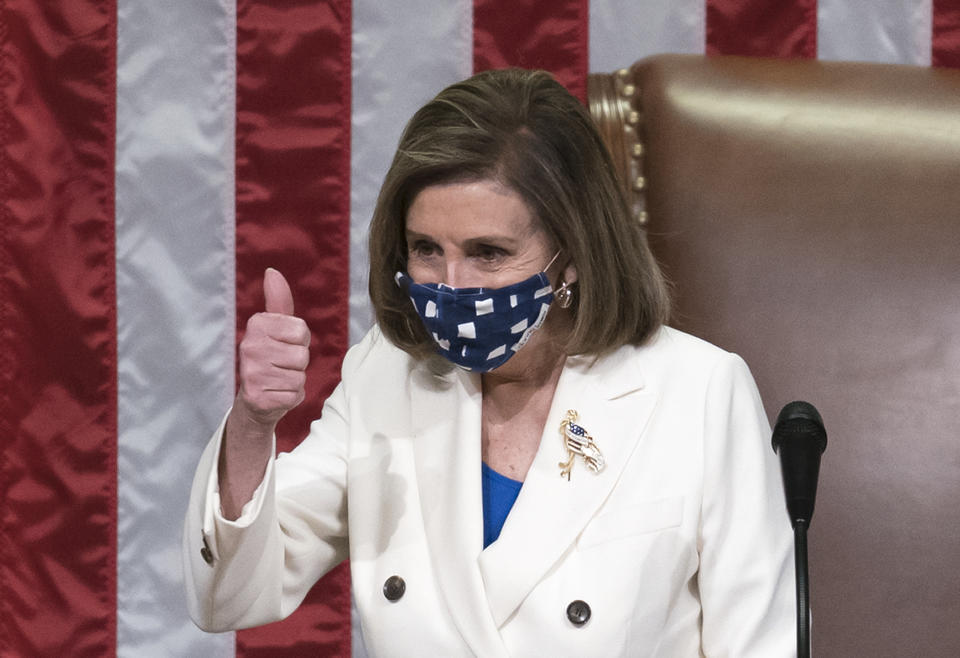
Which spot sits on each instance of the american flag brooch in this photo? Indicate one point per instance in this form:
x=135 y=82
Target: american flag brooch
x=578 y=441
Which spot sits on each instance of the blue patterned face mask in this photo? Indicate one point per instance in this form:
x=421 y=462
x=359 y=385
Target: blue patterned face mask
x=480 y=328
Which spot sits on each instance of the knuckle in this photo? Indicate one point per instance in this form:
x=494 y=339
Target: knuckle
x=296 y=331
x=255 y=321
x=300 y=380
x=302 y=359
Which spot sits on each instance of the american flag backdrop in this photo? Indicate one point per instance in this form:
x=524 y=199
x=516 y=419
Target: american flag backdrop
x=156 y=157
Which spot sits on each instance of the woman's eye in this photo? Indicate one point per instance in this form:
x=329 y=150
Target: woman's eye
x=490 y=254
x=422 y=249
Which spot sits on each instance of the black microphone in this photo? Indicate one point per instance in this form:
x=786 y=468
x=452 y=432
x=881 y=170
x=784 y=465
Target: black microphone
x=799 y=438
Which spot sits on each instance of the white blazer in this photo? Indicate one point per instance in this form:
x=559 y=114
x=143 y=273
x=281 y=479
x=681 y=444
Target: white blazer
x=680 y=547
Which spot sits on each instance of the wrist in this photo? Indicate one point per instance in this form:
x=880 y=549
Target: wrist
x=249 y=422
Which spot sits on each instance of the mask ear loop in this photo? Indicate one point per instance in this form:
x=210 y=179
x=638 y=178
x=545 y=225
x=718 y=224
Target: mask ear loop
x=552 y=260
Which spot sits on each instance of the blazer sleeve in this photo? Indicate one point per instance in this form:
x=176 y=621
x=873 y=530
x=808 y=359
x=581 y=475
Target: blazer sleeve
x=746 y=565
x=259 y=568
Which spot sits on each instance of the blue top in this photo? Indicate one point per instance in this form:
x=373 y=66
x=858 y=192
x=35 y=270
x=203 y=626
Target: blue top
x=499 y=494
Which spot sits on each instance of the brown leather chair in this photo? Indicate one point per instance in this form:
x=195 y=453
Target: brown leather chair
x=808 y=215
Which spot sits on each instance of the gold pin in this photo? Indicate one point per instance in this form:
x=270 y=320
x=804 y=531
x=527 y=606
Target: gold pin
x=578 y=441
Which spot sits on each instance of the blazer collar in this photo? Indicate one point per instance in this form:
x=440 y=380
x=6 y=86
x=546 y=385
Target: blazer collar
x=613 y=406
x=482 y=588
x=446 y=437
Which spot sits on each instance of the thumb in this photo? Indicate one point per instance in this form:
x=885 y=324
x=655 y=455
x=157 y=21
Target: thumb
x=276 y=293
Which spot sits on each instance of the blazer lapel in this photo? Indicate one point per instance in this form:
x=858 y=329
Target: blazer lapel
x=551 y=511
x=446 y=427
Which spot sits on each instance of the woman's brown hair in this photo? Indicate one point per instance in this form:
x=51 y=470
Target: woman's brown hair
x=526 y=131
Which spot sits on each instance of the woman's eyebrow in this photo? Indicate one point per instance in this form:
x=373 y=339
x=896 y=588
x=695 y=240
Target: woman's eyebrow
x=493 y=240
x=413 y=236
x=505 y=241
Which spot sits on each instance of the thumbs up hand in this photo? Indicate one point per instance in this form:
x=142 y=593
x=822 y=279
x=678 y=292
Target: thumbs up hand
x=274 y=354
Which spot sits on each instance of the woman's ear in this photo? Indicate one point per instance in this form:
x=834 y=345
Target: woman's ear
x=569 y=273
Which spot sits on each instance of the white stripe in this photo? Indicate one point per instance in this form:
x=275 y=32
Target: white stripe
x=403 y=54
x=623 y=31
x=892 y=31
x=175 y=298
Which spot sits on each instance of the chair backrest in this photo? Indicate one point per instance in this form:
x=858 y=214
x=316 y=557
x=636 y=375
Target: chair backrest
x=808 y=215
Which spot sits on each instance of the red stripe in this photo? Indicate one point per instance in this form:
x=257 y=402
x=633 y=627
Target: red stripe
x=538 y=34
x=58 y=392
x=762 y=28
x=945 y=44
x=293 y=213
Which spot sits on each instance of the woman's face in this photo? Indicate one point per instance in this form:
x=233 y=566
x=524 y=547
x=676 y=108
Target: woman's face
x=482 y=235
x=476 y=234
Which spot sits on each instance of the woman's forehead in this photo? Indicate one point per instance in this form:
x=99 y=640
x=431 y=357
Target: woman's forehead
x=466 y=210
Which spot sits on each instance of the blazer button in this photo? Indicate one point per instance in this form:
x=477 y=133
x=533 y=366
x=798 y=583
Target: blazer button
x=393 y=588
x=578 y=612
x=206 y=553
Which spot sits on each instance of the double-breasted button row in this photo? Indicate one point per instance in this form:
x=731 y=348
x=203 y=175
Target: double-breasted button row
x=393 y=588
x=578 y=612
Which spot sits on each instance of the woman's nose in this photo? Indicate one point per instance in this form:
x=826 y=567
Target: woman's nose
x=454 y=273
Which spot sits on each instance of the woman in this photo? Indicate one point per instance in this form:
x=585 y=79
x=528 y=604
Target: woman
x=649 y=518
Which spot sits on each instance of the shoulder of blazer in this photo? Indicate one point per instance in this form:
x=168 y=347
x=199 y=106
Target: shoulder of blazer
x=672 y=353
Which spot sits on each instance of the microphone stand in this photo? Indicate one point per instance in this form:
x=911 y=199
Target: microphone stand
x=803 y=588
x=799 y=439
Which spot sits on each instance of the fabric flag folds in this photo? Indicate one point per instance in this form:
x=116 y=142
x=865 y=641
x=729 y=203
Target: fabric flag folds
x=58 y=382
x=156 y=158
